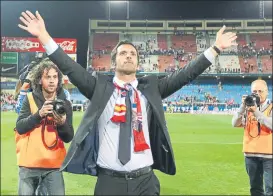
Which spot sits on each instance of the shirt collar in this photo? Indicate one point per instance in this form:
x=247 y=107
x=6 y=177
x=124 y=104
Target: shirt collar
x=134 y=83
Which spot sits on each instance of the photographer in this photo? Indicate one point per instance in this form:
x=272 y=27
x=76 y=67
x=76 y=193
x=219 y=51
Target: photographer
x=43 y=124
x=255 y=115
x=23 y=85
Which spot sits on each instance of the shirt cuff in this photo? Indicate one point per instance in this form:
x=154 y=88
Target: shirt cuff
x=50 y=47
x=209 y=55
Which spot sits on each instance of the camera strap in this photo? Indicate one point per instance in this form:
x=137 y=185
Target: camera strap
x=43 y=136
x=259 y=128
x=259 y=125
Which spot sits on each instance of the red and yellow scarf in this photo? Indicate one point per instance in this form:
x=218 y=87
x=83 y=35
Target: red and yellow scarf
x=120 y=111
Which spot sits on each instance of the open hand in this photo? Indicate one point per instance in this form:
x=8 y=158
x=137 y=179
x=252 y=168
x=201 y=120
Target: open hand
x=34 y=24
x=225 y=40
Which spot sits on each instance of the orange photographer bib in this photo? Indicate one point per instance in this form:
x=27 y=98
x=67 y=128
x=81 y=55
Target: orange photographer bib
x=35 y=151
x=255 y=142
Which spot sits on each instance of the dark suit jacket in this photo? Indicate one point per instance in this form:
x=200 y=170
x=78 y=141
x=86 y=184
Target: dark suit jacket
x=83 y=152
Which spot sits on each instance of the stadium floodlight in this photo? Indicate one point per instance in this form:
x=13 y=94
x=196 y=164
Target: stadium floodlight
x=117 y=1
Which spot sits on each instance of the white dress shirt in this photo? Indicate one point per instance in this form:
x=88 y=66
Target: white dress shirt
x=109 y=137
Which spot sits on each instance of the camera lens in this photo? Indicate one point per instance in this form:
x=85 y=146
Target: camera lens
x=249 y=101
x=60 y=109
x=58 y=106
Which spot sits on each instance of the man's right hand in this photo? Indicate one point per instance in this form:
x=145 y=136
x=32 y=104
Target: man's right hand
x=46 y=109
x=35 y=26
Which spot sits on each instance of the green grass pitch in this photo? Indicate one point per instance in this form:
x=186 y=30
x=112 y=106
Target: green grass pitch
x=207 y=149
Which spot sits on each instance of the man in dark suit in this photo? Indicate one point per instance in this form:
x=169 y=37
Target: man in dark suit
x=123 y=134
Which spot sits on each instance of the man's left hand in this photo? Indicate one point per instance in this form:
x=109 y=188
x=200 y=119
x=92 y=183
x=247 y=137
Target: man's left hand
x=59 y=119
x=225 y=40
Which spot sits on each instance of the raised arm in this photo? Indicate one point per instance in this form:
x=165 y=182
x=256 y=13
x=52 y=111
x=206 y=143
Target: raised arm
x=173 y=82
x=176 y=80
x=78 y=76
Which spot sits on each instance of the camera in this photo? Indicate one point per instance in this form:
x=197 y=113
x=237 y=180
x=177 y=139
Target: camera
x=250 y=100
x=58 y=106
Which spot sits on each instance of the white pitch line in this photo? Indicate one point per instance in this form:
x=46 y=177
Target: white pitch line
x=218 y=143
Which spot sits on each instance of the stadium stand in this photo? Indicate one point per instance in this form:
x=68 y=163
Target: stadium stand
x=248 y=65
x=266 y=62
x=166 y=63
x=188 y=42
x=162 y=41
x=261 y=40
x=229 y=63
x=227 y=90
x=105 y=41
x=101 y=62
x=160 y=52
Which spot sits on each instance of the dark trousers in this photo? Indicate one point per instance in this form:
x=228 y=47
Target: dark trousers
x=40 y=182
x=259 y=171
x=147 y=184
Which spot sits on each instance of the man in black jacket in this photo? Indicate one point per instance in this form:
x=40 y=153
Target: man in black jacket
x=41 y=129
x=123 y=134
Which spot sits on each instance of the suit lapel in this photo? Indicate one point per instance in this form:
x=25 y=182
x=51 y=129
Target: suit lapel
x=145 y=91
x=109 y=89
x=154 y=101
x=143 y=85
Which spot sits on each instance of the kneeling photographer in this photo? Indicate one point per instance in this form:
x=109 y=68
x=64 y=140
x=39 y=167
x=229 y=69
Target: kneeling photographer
x=43 y=125
x=255 y=115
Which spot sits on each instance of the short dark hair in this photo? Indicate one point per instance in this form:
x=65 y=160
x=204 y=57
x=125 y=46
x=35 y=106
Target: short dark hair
x=114 y=51
x=45 y=64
